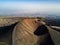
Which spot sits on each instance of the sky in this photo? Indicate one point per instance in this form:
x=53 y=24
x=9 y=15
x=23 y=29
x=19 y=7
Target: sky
x=17 y=7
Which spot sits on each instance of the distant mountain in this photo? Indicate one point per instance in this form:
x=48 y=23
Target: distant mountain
x=53 y=20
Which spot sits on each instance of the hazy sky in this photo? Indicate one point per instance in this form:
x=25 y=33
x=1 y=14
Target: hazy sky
x=29 y=6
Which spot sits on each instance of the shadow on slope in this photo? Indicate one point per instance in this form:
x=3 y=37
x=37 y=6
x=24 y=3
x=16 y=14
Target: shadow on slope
x=6 y=33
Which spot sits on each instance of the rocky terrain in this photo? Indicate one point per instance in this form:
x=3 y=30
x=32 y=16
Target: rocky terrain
x=23 y=32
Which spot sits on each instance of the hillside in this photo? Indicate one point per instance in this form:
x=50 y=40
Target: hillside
x=23 y=32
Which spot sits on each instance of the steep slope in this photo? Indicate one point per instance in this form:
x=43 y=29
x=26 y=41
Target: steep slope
x=23 y=33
